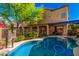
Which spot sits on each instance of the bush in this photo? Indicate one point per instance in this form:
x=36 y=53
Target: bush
x=78 y=34
x=20 y=38
x=70 y=32
x=32 y=35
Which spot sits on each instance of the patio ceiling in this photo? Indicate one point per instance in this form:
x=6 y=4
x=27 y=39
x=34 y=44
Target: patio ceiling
x=65 y=22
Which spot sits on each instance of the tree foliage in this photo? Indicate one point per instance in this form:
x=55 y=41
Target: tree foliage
x=22 y=12
x=28 y=13
x=72 y=26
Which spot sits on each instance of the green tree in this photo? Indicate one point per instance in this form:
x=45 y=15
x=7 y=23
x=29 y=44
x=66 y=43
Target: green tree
x=27 y=13
x=23 y=13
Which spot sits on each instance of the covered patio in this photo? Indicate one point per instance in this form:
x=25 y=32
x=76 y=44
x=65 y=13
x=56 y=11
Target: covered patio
x=59 y=28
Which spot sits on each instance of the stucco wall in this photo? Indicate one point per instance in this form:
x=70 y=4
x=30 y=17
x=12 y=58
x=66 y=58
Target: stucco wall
x=52 y=16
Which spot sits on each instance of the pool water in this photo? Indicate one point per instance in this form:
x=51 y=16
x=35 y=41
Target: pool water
x=50 y=46
x=22 y=50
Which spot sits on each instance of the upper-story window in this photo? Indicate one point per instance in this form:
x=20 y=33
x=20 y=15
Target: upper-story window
x=63 y=15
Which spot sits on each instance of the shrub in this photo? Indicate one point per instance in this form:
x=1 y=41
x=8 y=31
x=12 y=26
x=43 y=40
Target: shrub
x=20 y=38
x=78 y=34
x=70 y=32
x=32 y=35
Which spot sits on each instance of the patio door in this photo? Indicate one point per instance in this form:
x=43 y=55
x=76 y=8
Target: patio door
x=60 y=30
x=56 y=30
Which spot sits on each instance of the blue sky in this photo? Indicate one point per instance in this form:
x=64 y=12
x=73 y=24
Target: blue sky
x=73 y=8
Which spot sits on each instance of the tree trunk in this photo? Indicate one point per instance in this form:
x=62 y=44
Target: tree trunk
x=12 y=33
x=6 y=41
x=17 y=28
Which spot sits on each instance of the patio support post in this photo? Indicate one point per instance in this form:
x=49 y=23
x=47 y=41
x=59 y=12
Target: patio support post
x=47 y=30
x=23 y=30
x=31 y=29
x=65 y=30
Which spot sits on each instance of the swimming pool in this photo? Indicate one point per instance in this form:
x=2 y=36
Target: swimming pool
x=50 y=46
x=22 y=50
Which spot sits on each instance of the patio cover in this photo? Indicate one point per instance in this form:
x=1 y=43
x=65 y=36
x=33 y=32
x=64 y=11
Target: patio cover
x=65 y=22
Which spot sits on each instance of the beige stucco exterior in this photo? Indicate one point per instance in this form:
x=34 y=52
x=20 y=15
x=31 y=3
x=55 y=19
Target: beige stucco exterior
x=53 y=16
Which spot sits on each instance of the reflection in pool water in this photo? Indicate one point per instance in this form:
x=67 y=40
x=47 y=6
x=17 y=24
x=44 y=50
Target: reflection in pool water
x=50 y=46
